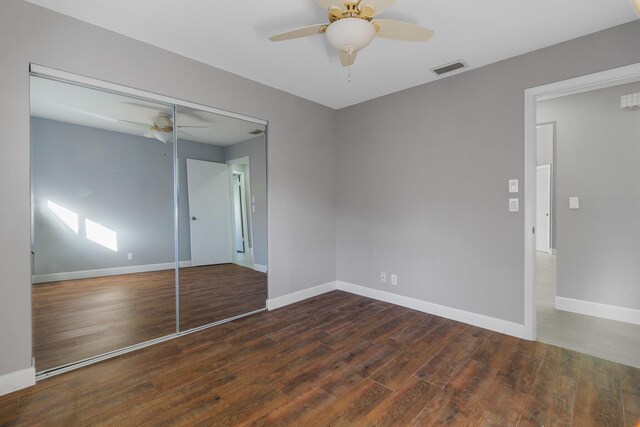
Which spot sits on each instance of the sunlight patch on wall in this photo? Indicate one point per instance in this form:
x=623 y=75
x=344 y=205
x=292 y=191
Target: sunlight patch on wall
x=68 y=218
x=101 y=235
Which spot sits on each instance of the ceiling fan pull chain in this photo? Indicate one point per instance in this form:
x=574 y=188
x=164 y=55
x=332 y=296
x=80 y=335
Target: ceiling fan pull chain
x=350 y=62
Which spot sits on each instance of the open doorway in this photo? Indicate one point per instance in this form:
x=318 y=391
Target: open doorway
x=241 y=206
x=587 y=205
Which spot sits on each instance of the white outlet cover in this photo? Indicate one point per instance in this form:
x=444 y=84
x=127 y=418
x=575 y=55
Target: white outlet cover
x=513 y=186
x=383 y=277
x=574 y=202
x=514 y=205
x=394 y=279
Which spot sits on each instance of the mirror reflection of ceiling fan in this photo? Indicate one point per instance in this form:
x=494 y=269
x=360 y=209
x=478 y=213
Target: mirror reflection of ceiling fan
x=161 y=128
x=352 y=27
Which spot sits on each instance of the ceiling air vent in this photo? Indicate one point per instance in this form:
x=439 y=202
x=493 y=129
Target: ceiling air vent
x=257 y=132
x=449 y=68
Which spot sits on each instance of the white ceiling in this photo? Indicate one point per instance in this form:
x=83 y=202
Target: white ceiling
x=79 y=105
x=232 y=35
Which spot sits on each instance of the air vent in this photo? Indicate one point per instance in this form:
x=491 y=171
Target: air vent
x=449 y=68
x=257 y=132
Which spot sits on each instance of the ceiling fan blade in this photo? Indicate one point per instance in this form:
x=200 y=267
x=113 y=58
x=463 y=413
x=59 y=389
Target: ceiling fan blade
x=300 y=32
x=149 y=134
x=346 y=59
x=128 y=122
x=83 y=112
x=371 y=8
x=202 y=127
x=400 y=30
x=326 y=4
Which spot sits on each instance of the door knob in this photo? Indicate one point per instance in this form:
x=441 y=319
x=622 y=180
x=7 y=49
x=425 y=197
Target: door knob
x=193 y=218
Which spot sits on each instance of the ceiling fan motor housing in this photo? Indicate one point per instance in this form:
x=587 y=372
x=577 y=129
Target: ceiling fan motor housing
x=351 y=34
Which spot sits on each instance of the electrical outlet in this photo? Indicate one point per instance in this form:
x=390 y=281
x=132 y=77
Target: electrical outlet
x=383 y=277
x=394 y=279
x=130 y=256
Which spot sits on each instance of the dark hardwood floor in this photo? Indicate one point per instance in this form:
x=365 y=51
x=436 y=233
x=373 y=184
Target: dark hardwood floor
x=338 y=359
x=76 y=319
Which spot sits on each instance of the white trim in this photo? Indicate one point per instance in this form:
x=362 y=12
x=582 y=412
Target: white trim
x=260 y=268
x=275 y=303
x=554 y=251
x=605 y=311
x=43 y=71
x=480 y=320
x=86 y=274
x=531 y=96
x=549 y=173
x=17 y=380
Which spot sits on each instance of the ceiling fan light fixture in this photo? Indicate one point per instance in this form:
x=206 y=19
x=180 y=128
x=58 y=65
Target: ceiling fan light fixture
x=636 y=4
x=351 y=34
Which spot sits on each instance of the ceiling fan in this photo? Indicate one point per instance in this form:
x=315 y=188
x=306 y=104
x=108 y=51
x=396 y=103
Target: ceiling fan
x=352 y=27
x=161 y=129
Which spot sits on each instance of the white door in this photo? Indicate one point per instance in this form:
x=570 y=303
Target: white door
x=209 y=212
x=543 y=209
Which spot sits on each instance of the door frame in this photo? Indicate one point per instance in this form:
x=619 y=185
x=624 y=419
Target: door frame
x=246 y=160
x=550 y=173
x=603 y=79
x=243 y=208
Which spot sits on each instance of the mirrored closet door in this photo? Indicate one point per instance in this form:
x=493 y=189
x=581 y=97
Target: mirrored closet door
x=149 y=219
x=103 y=254
x=222 y=217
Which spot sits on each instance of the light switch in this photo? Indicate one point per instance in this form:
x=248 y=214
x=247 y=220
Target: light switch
x=514 y=205
x=513 y=186
x=574 y=203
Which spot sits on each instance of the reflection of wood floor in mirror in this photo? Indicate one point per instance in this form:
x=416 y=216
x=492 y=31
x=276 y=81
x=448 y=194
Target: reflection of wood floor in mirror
x=608 y=339
x=76 y=319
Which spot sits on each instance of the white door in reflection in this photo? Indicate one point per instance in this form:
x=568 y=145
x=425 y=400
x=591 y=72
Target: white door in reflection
x=209 y=213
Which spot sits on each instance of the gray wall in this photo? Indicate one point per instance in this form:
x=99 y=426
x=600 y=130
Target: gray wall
x=255 y=149
x=122 y=181
x=545 y=145
x=598 y=160
x=423 y=178
x=301 y=192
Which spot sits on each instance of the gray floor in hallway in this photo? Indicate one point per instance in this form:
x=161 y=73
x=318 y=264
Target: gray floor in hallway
x=608 y=339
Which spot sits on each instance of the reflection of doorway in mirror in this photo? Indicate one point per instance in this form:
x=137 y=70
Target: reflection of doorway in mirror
x=209 y=212
x=241 y=215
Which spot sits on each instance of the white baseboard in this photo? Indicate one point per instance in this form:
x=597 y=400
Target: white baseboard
x=86 y=274
x=304 y=294
x=17 y=380
x=260 y=268
x=480 y=320
x=605 y=311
